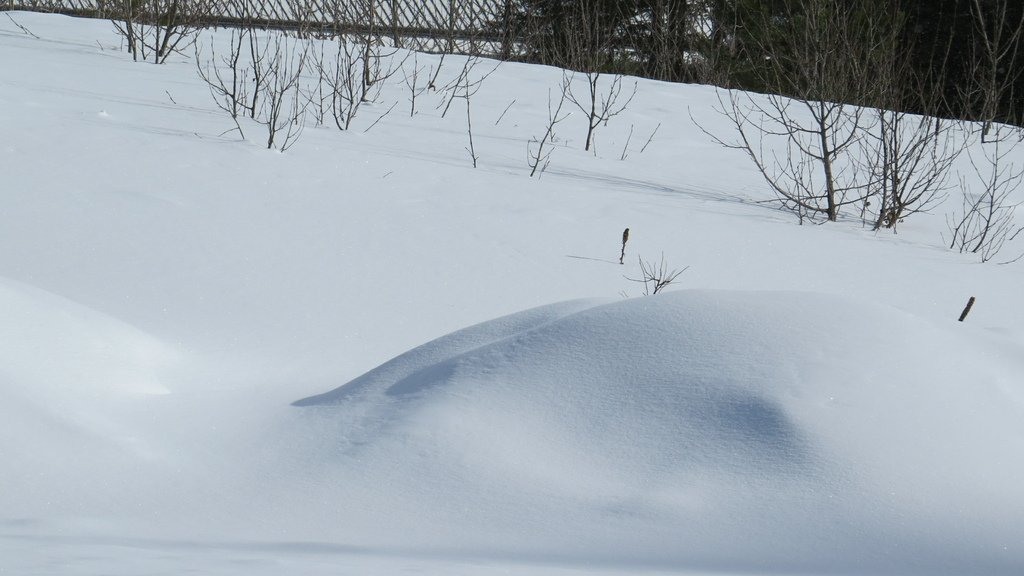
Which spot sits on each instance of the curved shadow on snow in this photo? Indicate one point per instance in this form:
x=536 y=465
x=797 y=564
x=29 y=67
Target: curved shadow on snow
x=742 y=428
x=422 y=359
x=423 y=380
x=700 y=193
x=753 y=419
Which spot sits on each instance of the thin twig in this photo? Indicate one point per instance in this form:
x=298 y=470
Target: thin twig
x=23 y=29
x=625 y=147
x=503 y=112
x=381 y=117
x=651 y=138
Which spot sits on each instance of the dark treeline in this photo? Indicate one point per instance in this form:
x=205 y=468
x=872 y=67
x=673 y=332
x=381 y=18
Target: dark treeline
x=970 y=48
x=958 y=58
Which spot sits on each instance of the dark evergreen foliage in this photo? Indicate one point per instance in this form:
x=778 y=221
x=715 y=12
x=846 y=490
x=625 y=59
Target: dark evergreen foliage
x=939 y=44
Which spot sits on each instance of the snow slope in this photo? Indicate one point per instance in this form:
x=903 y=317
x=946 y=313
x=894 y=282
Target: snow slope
x=180 y=311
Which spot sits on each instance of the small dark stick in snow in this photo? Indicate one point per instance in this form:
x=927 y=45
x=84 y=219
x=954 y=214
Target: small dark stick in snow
x=967 y=309
x=625 y=238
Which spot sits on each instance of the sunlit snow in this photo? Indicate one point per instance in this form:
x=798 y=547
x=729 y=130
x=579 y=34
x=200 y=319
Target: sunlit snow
x=364 y=356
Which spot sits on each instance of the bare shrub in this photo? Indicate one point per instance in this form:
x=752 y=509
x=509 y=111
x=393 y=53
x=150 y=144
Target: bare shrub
x=155 y=29
x=538 y=151
x=908 y=156
x=909 y=160
x=467 y=94
x=339 y=74
x=656 y=276
x=986 y=221
x=375 y=72
x=227 y=77
x=462 y=82
x=804 y=149
x=836 y=133
x=803 y=144
x=412 y=82
x=283 y=110
x=599 y=105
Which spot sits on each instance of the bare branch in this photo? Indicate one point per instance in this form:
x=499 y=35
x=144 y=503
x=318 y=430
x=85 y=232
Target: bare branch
x=655 y=276
x=537 y=152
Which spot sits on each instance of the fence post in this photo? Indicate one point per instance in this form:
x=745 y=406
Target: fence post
x=506 y=31
x=451 y=26
x=394 y=24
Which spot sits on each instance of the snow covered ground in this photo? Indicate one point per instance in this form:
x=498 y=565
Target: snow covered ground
x=212 y=355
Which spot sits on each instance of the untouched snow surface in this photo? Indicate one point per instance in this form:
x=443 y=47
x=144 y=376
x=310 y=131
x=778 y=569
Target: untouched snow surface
x=180 y=311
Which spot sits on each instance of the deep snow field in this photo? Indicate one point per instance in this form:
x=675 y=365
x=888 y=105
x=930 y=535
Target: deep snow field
x=219 y=359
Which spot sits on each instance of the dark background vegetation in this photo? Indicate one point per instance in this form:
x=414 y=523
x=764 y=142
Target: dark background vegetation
x=965 y=57
x=944 y=47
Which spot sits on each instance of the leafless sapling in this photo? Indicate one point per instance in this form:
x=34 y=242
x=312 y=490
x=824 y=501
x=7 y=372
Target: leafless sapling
x=259 y=52
x=375 y=72
x=457 y=86
x=986 y=221
x=284 y=107
x=908 y=158
x=158 y=28
x=656 y=276
x=412 y=82
x=464 y=87
x=378 y=65
x=436 y=72
x=538 y=152
x=339 y=73
x=227 y=77
x=599 y=105
x=804 y=144
x=318 y=94
x=467 y=94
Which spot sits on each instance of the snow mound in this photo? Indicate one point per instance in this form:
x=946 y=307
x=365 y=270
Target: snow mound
x=89 y=353
x=69 y=378
x=727 y=430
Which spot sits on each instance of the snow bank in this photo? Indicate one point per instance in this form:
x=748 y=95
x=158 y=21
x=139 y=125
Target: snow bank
x=89 y=352
x=726 y=430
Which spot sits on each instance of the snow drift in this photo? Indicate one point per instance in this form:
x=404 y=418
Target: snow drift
x=726 y=430
x=70 y=409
